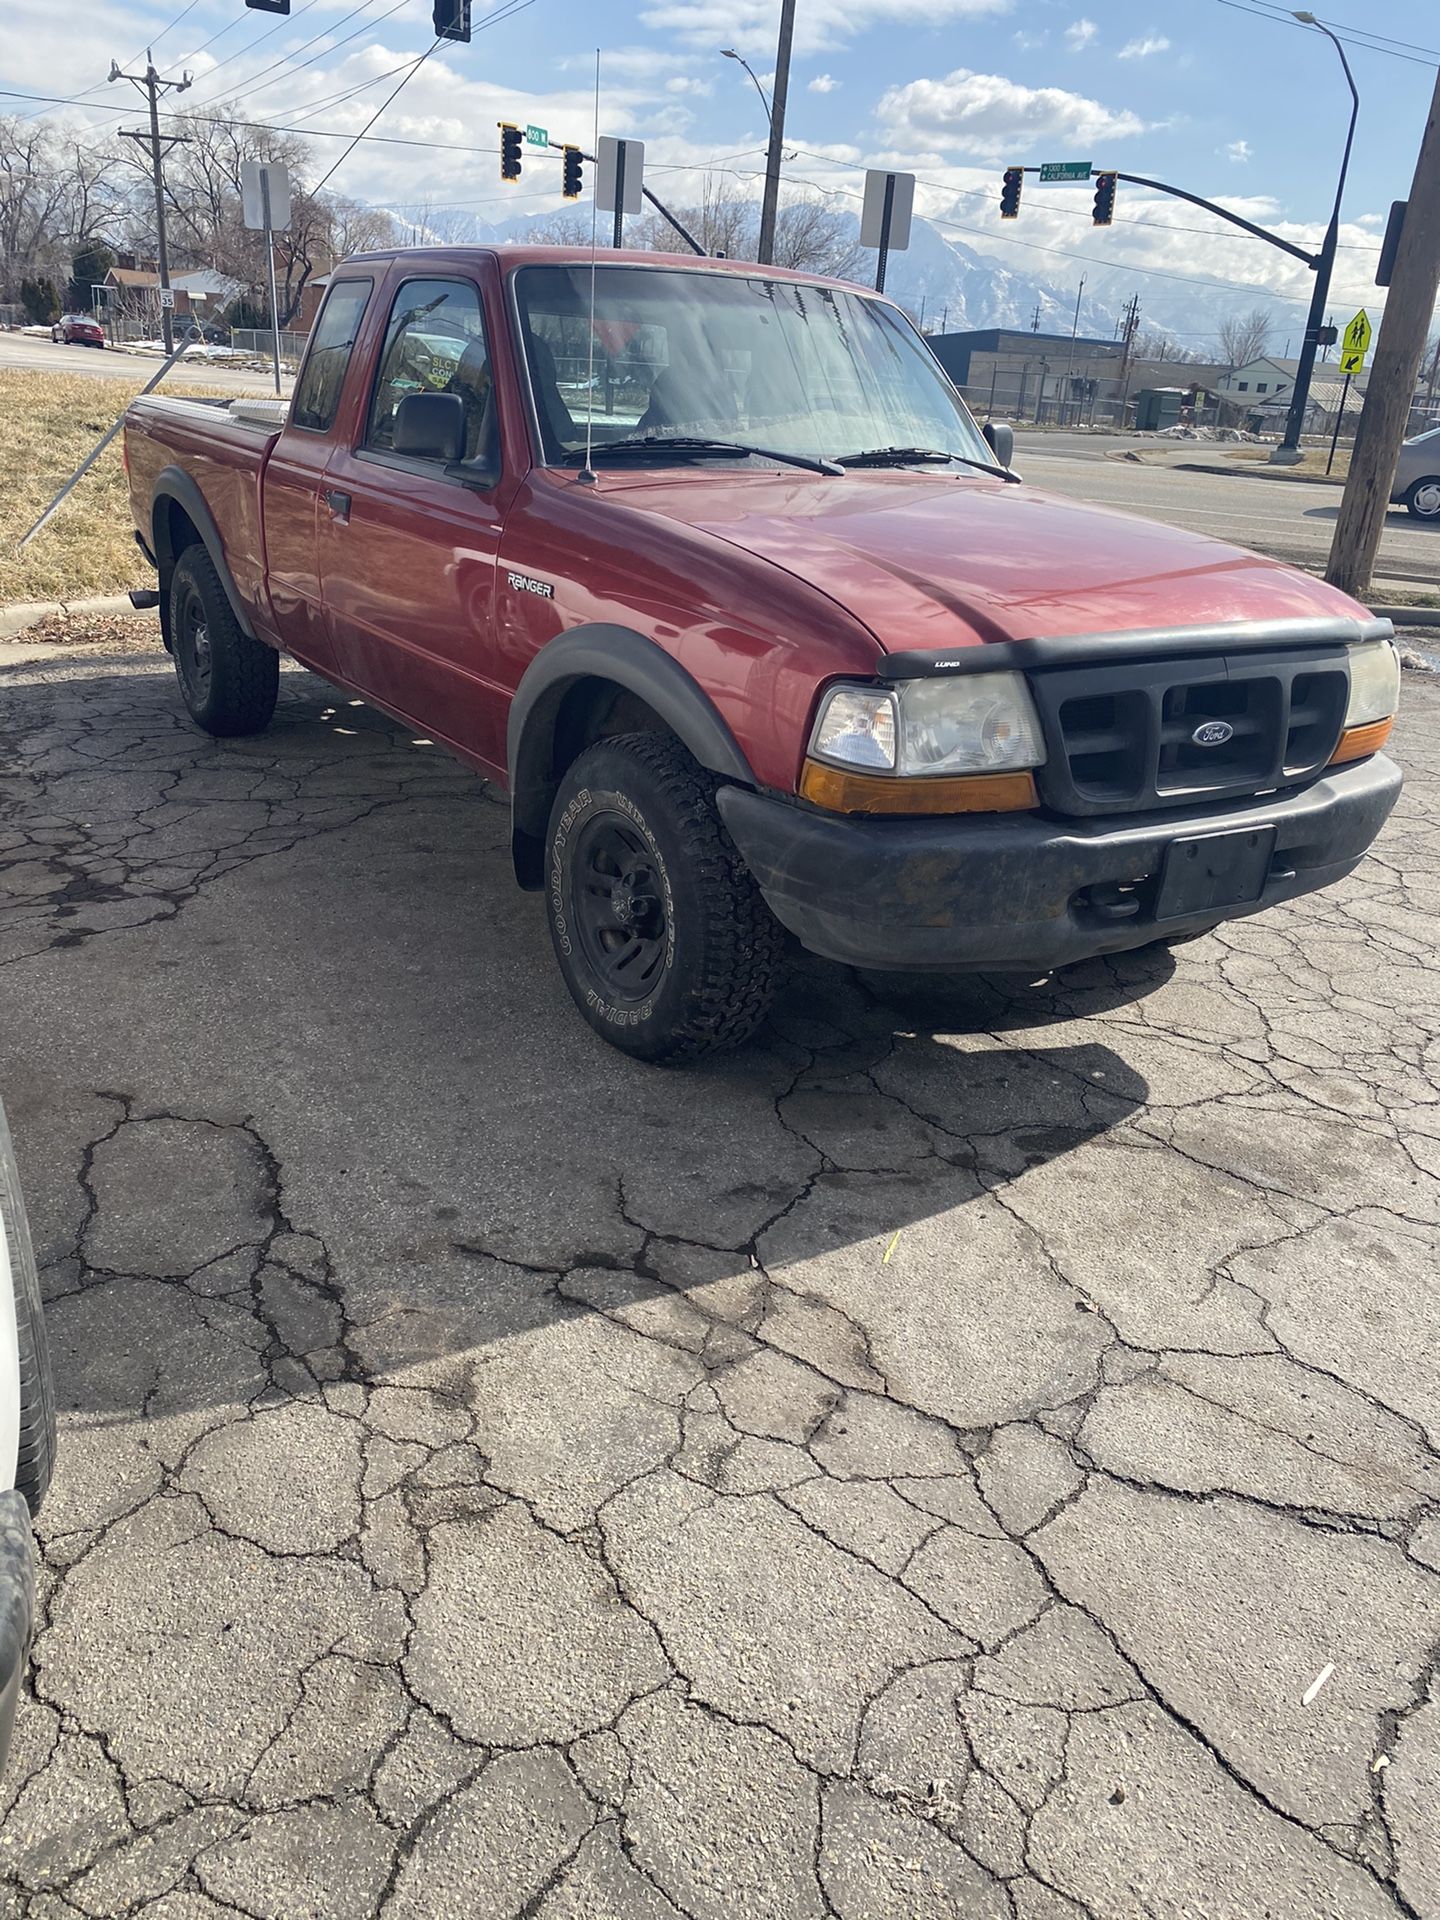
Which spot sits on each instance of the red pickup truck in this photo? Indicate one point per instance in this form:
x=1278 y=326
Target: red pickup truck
x=710 y=566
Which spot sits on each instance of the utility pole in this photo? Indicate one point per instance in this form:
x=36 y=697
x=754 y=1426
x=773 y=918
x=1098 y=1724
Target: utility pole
x=1132 y=327
x=770 y=204
x=1035 y=323
x=1070 y=363
x=152 y=86
x=1399 y=350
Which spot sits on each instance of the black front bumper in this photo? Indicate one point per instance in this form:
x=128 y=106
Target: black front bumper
x=1022 y=891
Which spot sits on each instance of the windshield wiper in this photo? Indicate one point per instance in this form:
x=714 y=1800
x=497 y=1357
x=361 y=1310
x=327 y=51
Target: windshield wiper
x=913 y=456
x=694 y=443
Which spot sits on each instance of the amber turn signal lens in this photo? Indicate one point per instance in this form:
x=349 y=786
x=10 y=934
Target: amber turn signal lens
x=1356 y=742
x=841 y=792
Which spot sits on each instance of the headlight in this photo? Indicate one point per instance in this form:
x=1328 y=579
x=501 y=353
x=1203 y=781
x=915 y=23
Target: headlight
x=1374 y=683
x=973 y=723
x=856 y=728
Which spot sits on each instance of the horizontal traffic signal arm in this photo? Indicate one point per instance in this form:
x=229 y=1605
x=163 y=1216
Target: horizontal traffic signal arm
x=1311 y=260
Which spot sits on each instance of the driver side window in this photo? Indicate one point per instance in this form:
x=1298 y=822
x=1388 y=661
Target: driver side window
x=435 y=343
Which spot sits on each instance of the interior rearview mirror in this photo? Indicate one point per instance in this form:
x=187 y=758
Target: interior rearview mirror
x=1001 y=440
x=430 y=426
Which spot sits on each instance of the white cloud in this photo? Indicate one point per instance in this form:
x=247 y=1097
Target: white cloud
x=824 y=83
x=1142 y=48
x=988 y=114
x=1238 y=151
x=1027 y=42
x=1079 y=34
x=687 y=83
x=819 y=24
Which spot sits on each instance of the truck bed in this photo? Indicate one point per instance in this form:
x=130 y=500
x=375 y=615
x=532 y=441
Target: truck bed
x=222 y=445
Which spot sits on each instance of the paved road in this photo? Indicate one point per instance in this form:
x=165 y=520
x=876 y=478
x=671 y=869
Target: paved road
x=29 y=353
x=914 y=1469
x=1290 y=519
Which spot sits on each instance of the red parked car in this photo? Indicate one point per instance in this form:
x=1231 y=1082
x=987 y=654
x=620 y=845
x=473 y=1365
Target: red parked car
x=78 y=329
x=709 y=565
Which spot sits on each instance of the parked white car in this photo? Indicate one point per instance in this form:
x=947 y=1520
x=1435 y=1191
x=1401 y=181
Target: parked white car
x=1417 y=476
x=27 y=1432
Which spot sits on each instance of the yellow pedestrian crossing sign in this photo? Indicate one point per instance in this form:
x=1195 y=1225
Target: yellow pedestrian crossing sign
x=1355 y=344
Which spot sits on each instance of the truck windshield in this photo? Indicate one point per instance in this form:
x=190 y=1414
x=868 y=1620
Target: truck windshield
x=808 y=370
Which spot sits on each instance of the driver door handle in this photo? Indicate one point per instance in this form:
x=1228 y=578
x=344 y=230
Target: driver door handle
x=338 y=502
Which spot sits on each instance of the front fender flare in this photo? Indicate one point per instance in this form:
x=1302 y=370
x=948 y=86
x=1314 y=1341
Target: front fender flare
x=173 y=483
x=625 y=659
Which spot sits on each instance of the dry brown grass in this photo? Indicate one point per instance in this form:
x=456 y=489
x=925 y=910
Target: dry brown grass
x=1310 y=466
x=48 y=423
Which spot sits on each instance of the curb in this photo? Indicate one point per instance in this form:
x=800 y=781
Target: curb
x=24 y=614
x=1409 y=616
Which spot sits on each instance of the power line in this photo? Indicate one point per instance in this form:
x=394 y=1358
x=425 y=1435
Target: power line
x=1034 y=246
x=415 y=68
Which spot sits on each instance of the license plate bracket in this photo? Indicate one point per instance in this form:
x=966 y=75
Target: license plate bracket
x=1213 y=871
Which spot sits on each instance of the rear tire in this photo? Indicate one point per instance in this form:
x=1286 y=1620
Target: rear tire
x=32 y=1384
x=228 y=681
x=1423 y=499
x=662 y=937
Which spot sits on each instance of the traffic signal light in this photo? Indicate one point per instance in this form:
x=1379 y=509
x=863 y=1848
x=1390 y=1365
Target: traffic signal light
x=510 y=139
x=268 y=6
x=571 y=185
x=451 y=19
x=1104 y=210
x=1010 y=193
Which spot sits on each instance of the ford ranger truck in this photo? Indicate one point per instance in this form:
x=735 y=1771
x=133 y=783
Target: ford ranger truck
x=710 y=567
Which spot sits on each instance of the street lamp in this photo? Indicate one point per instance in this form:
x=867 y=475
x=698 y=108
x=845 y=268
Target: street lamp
x=1288 y=452
x=731 y=54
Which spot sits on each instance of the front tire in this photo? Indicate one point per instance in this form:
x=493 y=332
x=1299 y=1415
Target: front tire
x=228 y=681
x=661 y=934
x=1423 y=499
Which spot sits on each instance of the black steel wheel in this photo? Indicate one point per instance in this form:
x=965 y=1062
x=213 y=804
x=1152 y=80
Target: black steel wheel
x=662 y=937
x=228 y=680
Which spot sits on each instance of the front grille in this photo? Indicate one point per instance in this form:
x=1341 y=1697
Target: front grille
x=1122 y=738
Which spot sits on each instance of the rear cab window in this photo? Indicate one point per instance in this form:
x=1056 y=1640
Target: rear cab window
x=317 y=392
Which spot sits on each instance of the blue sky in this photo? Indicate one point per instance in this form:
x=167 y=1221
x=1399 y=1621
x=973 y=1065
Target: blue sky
x=1233 y=100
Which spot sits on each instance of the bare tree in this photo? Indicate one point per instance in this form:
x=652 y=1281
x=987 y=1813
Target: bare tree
x=568 y=228
x=812 y=238
x=32 y=197
x=1244 y=336
x=809 y=236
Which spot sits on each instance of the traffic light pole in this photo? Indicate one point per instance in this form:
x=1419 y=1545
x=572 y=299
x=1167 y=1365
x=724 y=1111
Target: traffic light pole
x=1289 y=449
x=1311 y=260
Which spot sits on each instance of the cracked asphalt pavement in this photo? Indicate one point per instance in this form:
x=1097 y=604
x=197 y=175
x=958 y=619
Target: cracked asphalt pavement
x=914 y=1468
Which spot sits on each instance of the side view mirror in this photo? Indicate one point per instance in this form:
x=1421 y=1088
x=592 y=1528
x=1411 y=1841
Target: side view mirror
x=430 y=426
x=1001 y=440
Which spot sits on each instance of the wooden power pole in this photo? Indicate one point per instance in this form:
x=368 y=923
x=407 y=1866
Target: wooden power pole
x=1409 y=307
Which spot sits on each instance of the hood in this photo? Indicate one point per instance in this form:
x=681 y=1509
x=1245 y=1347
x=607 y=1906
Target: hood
x=935 y=561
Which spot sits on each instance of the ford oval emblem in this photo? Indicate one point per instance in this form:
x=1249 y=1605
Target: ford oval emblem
x=1213 y=733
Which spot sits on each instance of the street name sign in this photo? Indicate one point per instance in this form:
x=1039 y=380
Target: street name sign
x=537 y=136
x=1064 y=173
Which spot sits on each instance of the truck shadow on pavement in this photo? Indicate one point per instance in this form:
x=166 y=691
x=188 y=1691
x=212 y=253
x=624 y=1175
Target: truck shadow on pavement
x=308 y=1109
